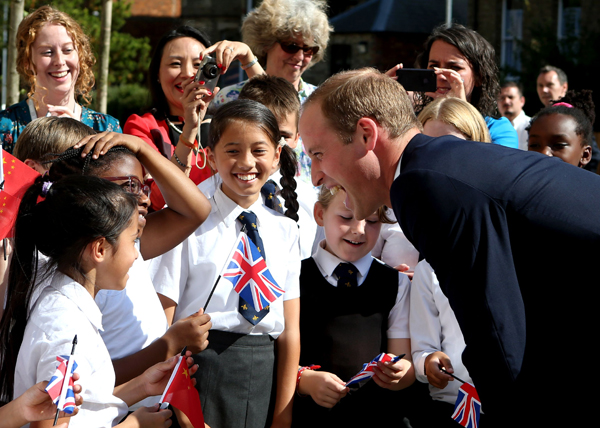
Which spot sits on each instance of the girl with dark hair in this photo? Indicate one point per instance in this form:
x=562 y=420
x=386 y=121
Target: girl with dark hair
x=465 y=65
x=86 y=228
x=178 y=102
x=564 y=129
x=238 y=365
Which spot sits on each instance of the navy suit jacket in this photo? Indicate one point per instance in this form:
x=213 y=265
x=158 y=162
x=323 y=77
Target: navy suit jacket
x=513 y=237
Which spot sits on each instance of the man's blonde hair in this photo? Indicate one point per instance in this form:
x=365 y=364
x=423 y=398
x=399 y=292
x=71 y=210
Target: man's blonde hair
x=349 y=96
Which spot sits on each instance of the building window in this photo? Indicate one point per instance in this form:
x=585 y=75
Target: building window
x=512 y=33
x=569 y=19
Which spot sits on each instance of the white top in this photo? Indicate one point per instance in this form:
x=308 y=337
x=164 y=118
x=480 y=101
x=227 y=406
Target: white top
x=307 y=197
x=520 y=123
x=132 y=318
x=399 y=315
x=187 y=273
x=63 y=310
x=393 y=247
x=433 y=327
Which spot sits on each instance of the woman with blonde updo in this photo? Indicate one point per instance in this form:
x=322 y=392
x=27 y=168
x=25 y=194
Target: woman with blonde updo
x=287 y=37
x=453 y=116
x=55 y=58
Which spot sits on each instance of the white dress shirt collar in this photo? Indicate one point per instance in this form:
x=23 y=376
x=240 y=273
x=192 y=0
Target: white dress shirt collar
x=327 y=262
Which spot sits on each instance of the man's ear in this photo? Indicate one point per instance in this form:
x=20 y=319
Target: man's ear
x=318 y=212
x=368 y=131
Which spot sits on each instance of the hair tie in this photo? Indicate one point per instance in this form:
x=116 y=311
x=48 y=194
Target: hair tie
x=45 y=188
x=282 y=141
x=562 y=104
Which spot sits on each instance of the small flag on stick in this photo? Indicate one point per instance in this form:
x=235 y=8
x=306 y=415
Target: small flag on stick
x=367 y=370
x=468 y=406
x=181 y=393
x=249 y=275
x=60 y=386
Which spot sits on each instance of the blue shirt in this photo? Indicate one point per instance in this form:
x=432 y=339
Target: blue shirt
x=17 y=117
x=502 y=132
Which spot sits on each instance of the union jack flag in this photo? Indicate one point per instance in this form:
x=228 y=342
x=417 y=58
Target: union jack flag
x=367 y=370
x=64 y=400
x=248 y=273
x=468 y=406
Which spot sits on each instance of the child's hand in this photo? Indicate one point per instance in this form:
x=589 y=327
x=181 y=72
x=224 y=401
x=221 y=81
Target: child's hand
x=191 y=332
x=155 y=379
x=149 y=417
x=102 y=142
x=433 y=365
x=405 y=269
x=36 y=405
x=326 y=389
x=388 y=375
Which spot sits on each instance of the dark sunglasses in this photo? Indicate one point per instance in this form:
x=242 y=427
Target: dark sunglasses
x=293 y=48
x=132 y=185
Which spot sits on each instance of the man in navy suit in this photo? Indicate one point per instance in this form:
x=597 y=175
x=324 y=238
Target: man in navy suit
x=511 y=235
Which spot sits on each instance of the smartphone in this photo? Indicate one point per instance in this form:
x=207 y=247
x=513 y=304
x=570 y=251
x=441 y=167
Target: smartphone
x=417 y=80
x=208 y=72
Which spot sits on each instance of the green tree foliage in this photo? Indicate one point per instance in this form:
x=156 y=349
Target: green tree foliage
x=129 y=56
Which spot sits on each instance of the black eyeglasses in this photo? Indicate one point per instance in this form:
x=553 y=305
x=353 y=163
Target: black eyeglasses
x=132 y=185
x=293 y=48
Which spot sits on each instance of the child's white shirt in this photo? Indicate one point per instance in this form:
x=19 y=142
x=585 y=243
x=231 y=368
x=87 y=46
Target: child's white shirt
x=187 y=273
x=399 y=315
x=132 y=318
x=393 y=247
x=307 y=197
x=433 y=327
x=63 y=310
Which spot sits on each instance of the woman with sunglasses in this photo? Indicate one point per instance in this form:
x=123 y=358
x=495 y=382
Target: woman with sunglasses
x=287 y=37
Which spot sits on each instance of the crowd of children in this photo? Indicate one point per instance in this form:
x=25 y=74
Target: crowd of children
x=273 y=348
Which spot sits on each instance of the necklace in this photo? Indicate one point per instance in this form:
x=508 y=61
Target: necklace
x=173 y=127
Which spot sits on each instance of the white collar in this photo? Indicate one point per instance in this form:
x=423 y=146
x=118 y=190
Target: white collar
x=327 y=262
x=398 y=167
x=229 y=210
x=78 y=295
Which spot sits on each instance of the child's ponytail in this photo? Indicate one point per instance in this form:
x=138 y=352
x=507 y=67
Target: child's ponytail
x=22 y=274
x=288 y=167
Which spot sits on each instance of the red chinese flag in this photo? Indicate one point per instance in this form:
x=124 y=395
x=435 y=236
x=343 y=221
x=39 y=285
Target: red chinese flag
x=181 y=394
x=9 y=206
x=18 y=176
